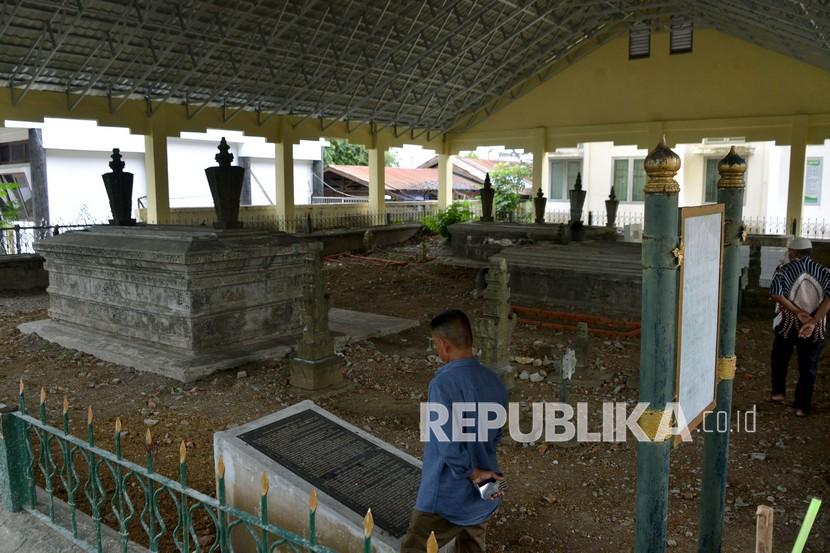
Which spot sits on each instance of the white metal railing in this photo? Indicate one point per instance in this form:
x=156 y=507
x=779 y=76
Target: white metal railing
x=337 y=200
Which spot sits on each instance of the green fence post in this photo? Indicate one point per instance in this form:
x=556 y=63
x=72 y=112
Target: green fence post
x=15 y=459
x=658 y=346
x=716 y=442
x=368 y=528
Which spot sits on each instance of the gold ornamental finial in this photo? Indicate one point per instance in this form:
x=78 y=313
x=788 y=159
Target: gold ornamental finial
x=65 y=405
x=661 y=166
x=732 y=168
x=312 y=500
x=264 y=485
x=432 y=543
x=42 y=395
x=368 y=524
x=21 y=386
x=118 y=425
x=148 y=438
x=182 y=453
x=89 y=416
x=220 y=468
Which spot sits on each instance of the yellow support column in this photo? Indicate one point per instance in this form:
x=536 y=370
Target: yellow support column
x=445 y=178
x=541 y=177
x=798 y=158
x=155 y=167
x=284 y=166
x=377 y=181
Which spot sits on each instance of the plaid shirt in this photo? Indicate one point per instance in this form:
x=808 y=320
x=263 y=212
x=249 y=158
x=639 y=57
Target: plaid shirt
x=787 y=280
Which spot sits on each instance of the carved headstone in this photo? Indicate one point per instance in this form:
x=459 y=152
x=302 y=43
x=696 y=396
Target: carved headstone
x=316 y=365
x=226 y=188
x=119 y=185
x=611 y=205
x=494 y=329
x=539 y=203
x=488 y=194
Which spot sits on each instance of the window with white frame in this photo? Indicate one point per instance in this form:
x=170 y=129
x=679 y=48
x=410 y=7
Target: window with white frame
x=629 y=179
x=563 y=176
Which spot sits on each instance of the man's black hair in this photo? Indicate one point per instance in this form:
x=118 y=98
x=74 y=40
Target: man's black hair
x=454 y=325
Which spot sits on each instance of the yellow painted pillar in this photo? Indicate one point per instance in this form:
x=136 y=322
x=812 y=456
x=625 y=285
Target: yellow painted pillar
x=155 y=168
x=284 y=167
x=377 y=180
x=798 y=159
x=541 y=173
x=445 y=178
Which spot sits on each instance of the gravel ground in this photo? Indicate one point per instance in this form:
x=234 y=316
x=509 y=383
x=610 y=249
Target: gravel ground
x=563 y=497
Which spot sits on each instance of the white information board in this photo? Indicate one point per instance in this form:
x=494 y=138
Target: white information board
x=699 y=310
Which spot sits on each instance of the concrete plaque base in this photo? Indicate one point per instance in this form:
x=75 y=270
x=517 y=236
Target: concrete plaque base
x=349 y=468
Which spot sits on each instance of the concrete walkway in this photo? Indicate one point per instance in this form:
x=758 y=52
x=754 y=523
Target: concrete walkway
x=23 y=533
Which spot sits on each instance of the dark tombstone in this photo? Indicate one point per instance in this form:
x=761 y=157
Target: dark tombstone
x=577 y=197
x=226 y=188
x=539 y=203
x=119 y=185
x=611 y=205
x=487 y=196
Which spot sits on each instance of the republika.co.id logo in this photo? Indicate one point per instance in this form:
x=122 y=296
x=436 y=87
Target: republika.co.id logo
x=560 y=422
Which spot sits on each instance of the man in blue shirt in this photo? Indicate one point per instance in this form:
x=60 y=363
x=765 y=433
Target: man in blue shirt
x=449 y=503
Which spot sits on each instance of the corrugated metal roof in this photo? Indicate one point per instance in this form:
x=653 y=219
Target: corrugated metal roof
x=421 y=65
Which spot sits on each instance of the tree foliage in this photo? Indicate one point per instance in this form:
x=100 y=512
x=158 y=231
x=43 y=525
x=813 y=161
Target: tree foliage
x=508 y=182
x=8 y=210
x=458 y=212
x=342 y=152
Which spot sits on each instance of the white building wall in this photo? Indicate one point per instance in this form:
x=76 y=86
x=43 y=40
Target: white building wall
x=821 y=211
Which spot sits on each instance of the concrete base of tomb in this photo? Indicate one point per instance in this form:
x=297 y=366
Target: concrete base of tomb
x=179 y=301
x=479 y=241
x=317 y=374
x=153 y=358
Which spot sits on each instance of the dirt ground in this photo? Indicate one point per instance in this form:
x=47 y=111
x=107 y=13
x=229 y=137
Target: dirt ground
x=562 y=498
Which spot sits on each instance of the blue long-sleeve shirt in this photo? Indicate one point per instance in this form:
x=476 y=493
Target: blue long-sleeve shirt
x=445 y=487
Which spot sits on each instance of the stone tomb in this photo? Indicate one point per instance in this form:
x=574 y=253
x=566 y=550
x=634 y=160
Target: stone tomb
x=304 y=447
x=179 y=301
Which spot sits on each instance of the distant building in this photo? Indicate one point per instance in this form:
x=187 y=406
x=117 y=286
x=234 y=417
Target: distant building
x=402 y=185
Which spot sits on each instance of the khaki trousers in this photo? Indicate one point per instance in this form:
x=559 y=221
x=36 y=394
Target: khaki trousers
x=468 y=539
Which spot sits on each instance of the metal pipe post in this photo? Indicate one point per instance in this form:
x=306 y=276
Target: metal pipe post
x=658 y=346
x=715 y=441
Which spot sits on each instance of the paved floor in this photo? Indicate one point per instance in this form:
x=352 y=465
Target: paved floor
x=23 y=533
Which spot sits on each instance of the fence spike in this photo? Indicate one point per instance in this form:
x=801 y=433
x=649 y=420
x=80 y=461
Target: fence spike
x=148 y=438
x=264 y=484
x=21 y=386
x=432 y=543
x=220 y=468
x=89 y=416
x=368 y=524
x=312 y=500
x=182 y=453
x=42 y=395
x=118 y=425
x=65 y=405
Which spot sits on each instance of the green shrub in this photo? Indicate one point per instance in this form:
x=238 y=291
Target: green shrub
x=458 y=212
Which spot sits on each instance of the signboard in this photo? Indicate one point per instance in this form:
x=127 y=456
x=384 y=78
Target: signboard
x=701 y=233
x=342 y=464
x=812 y=181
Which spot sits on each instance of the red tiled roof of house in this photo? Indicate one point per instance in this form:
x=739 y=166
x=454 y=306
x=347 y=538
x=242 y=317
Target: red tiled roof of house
x=399 y=178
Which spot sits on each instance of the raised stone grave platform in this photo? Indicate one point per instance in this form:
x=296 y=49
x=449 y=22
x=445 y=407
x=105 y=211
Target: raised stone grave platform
x=185 y=300
x=304 y=447
x=480 y=241
x=595 y=276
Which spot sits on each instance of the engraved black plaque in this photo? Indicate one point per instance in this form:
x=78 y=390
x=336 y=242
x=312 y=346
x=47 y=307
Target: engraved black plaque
x=348 y=467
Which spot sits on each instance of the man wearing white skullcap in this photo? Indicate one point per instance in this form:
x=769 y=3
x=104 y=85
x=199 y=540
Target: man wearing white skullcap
x=801 y=290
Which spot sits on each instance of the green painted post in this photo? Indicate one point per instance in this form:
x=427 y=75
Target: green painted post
x=14 y=461
x=716 y=443
x=184 y=517
x=312 y=517
x=263 y=513
x=224 y=539
x=658 y=346
x=123 y=532
x=69 y=478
